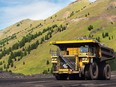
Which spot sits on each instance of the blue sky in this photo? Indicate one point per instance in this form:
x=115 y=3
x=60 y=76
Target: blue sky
x=12 y=11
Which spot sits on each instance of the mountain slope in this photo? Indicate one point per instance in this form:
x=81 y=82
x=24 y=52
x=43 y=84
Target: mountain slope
x=70 y=23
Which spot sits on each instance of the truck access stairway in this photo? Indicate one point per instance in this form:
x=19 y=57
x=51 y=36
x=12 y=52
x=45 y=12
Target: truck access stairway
x=67 y=61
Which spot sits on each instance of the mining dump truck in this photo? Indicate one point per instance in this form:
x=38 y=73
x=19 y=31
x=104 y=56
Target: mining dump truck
x=81 y=59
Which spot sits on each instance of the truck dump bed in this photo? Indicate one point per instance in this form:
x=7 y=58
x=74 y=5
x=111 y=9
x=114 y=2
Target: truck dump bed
x=105 y=53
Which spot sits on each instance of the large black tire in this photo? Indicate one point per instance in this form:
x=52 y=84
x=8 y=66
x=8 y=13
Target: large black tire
x=61 y=76
x=105 y=72
x=86 y=72
x=94 y=71
x=91 y=71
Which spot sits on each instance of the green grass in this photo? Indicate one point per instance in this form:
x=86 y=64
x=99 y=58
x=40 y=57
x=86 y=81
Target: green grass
x=35 y=62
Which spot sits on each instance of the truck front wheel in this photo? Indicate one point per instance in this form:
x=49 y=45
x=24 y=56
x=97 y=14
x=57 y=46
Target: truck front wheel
x=94 y=71
x=91 y=71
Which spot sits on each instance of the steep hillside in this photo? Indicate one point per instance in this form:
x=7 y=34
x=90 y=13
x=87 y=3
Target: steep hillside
x=25 y=45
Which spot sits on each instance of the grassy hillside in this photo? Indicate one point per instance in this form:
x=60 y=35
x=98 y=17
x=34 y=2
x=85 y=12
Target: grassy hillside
x=25 y=45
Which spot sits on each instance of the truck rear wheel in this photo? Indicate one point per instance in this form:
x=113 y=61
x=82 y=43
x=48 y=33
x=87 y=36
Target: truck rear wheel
x=105 y=72
x=91 y=71
x=61 y=76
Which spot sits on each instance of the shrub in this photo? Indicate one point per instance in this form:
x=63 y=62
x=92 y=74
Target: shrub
x=72 y=14
x=18 y=25
x=1 y=69
x=47 y=62
x=90 y=27
x=45 y=72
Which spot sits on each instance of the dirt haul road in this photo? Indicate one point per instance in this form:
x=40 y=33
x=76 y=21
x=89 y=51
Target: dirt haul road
x=50 y=81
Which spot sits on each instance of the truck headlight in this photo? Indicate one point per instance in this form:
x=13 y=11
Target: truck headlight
x=54 y=59
x=84 y=59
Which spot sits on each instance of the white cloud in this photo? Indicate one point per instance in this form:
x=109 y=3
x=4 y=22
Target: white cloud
x=42 y=9
x=35 y=10
x=92 y=0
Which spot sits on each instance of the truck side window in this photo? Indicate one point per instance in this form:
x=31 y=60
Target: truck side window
x=92 y=50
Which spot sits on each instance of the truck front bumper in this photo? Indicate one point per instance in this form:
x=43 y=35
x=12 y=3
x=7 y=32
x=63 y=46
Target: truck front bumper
x=65 y=71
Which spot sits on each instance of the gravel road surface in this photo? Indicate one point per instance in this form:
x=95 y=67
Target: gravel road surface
x=17 y=80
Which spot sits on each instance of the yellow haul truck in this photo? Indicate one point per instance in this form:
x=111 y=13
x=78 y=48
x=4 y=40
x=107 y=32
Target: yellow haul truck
x=81 y=59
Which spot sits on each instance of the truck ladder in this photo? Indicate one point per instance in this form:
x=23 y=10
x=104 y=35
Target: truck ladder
x=66 y=61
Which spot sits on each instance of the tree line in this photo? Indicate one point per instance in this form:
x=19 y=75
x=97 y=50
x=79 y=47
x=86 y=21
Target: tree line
x=18 y=55
x=5 y=40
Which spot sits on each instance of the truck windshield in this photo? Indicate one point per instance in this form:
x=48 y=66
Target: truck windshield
x=84 y=49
